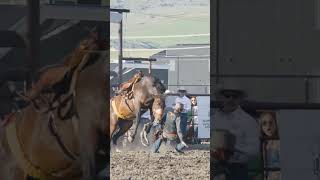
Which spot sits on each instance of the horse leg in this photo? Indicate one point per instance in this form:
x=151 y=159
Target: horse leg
x=113 y=124
x=124 y=126
x=144 y=133
x=146 y=129
x=135 y=124
x=114 y=128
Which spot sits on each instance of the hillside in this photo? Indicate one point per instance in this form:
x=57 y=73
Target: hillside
x=163 y=18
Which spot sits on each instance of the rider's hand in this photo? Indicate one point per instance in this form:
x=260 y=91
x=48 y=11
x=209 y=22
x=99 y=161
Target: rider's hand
x=184 y=144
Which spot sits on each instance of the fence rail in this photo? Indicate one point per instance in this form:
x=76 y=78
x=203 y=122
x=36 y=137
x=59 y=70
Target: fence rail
x=270 y=105
x=306 y=78
x=265 y=76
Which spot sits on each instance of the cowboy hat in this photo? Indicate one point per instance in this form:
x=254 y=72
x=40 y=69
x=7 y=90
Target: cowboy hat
x=182 y=89
x=230 y=86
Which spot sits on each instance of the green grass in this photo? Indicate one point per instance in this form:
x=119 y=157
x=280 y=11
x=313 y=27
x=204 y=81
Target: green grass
x=159 y=21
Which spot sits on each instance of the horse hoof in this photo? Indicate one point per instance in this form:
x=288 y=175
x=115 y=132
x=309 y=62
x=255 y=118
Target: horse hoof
x=130 y=139
x=146 y=145
x=118 y=150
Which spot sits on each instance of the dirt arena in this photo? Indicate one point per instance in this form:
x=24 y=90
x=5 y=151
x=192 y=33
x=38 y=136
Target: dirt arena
x=141 y=164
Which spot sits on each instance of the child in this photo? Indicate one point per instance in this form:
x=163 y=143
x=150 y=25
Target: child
x=271 y=148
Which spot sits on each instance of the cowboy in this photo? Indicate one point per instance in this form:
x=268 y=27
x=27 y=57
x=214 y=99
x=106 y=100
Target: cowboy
x=127 y=87
x=183 y=99
x=171 y=131
x=234 y=120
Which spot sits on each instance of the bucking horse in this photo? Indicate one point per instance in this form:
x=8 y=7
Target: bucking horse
x=58 y=135
x=126 y=111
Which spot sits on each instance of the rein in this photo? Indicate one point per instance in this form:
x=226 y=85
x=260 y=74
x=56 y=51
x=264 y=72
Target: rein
x=126 y=101
x=53 y=130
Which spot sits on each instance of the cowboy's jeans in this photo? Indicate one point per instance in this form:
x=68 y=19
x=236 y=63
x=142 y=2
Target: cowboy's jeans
x=195 y=128
x=184 y=123
x=156 y=145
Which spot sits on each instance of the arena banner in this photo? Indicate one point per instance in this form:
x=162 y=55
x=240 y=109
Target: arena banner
x=203 y=116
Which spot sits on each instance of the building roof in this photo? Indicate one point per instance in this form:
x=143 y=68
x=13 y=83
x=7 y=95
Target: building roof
x=185 y=50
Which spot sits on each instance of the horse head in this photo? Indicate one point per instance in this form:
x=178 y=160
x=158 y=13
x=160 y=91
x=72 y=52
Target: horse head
x=88 y=46
x=153 y=85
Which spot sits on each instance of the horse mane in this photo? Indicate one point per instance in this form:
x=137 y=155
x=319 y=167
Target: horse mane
x=157 y=81
x=92 y=43
x=75 y=57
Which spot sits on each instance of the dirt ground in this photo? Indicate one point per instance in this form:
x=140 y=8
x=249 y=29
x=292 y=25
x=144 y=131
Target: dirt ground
x=140 y=163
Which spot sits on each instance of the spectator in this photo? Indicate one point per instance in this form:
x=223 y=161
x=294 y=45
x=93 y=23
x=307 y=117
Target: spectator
x=182 y=98
x=230 y=117
x=194 y=117
x=271 y=147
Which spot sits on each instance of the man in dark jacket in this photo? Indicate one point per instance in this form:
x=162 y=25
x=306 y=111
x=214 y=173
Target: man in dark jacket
x=171 y=130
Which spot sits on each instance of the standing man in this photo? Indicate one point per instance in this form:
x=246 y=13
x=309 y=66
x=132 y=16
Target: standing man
x=230 y=117
x=171 y=130
x=185 y=101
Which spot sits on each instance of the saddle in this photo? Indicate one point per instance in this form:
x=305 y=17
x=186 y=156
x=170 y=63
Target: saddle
x=115 y=102
x=126 y=88
x=52 y=75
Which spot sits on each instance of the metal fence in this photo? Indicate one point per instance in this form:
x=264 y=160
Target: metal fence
x=305 y=79
x=199 y=89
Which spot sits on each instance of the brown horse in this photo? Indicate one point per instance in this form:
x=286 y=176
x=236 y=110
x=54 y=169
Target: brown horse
x=39 y=144
x=124 y=113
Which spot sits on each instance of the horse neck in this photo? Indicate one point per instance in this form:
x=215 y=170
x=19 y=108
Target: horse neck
x=92 y=88
x=141 y=91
